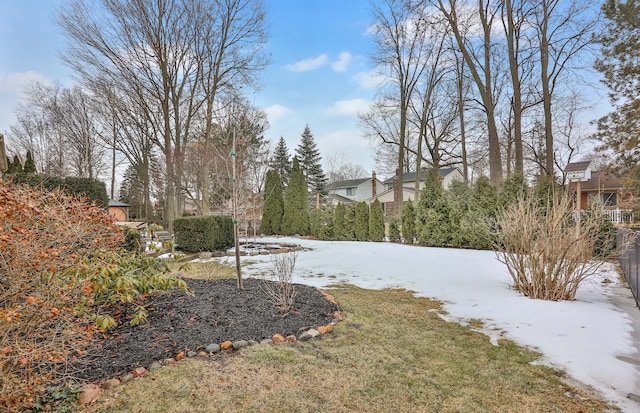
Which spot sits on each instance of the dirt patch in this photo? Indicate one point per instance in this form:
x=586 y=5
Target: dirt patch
x=217 y=312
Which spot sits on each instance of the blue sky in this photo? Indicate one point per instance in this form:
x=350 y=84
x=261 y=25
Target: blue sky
x=320 y=73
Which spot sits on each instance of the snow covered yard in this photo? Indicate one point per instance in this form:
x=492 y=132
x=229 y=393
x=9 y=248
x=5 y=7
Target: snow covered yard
x=592 y=338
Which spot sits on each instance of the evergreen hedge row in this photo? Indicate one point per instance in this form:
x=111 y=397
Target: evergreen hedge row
x=91 y=188
x=209 y=233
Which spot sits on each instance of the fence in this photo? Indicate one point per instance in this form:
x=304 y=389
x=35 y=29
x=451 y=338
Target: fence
x=629 y=258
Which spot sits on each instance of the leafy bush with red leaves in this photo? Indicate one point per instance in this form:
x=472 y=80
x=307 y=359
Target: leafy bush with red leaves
x=42 y=236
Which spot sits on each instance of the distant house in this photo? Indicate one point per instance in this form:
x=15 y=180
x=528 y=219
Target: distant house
x=589 y=186
x=386 y=197
x=353 y=190
x=119 y=210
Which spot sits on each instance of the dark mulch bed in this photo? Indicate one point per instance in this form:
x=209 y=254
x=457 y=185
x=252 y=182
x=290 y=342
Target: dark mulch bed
x=217 y=312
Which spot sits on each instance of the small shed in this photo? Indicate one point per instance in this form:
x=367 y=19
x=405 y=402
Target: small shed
x=119 y=210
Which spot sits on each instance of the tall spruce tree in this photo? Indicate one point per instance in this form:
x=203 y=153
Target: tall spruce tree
x=362 y=222
x=310 y=159
x=296 y=218
x=376 y=221
x=29 y=164
x=273 y=207
x=281 y=161
x=9 y=166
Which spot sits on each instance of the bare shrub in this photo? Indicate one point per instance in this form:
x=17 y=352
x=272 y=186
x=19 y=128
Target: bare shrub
x=278 y=285
x=547 y=251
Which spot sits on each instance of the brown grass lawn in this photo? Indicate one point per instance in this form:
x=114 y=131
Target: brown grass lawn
x=392 y=353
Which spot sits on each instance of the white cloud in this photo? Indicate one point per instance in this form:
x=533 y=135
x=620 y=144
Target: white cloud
x=14 y=83
x=342 y=63
x=11 y=87
x=370 y=80
x=277 y=112
x=350 y=107
x=308 y=64
x=349 y=142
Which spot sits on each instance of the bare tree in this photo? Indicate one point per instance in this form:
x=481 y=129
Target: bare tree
x=160 y=54
x=399 y=34
x=479 y=63
x=515 y=15
x=564 y=30
x=339 y=169
x=58 y=126
x=432 y=128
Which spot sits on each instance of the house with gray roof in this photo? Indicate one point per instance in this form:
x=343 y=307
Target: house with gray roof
x=386 y=197
x=353 y=190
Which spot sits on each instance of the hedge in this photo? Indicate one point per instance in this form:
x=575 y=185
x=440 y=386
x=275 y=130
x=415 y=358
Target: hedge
x=210 y=233
x=91 y=188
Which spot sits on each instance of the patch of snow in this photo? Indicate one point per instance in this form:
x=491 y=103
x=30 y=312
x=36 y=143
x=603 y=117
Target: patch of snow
x=588 y=338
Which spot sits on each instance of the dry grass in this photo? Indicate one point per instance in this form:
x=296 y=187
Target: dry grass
x=390 y=354
x=208 y=270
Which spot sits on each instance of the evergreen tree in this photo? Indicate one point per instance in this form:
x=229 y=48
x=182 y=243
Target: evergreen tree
x=310 y=158
x=479 y=221
x=362 y=222
x=273 y=207
x=513 y=188
x=376 y=221
x=296 y=207
x=458 y=197
x=620 y=65
x=394 y=229
x=350 y=223
x=29 y=164
x=281 y=161
x=339 y=225
x=432 y=214
x=9 y=166
x=545 y=191
x=16 y=165
x=408 y=222
x=131 y=192
x=322 y=223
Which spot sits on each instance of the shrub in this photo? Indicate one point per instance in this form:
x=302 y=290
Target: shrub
x=376 y=222
x=42 y=236
x=131 y=240
x=548 y=254
x=295 y=219
x=80 y=187
x=409 y=222
x=208 y=233
x=339 y=222
x=362 y=221
x=394 y=229
x=432 y=213
x=273 y=205
x=278 y=286
x=122 y=279
x=322 y=223
x=350 y=223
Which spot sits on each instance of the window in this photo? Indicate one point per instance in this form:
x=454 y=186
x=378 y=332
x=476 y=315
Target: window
x=607 y=199
x=351 y=191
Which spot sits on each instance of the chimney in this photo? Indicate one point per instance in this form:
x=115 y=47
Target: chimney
x=374 y=189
